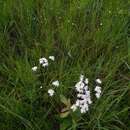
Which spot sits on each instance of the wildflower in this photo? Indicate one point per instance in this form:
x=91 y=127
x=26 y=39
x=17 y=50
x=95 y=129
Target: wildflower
x=83 y=110
x=83 y=95
x=98 y=81
x=86 y=81
x=81 y=77
x=41 y=87
x=77 y=102
x=52 y=58
x=98 y=92
x=43 y=61
x=34 y=68
x=97 y=95
x=56 y=83
x=79 y=86
x=74 y=107
x=51 y=92
x=98 y=89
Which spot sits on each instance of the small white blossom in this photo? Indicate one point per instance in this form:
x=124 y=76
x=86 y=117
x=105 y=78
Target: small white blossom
x=74 y=107
x=85 y=87
x=41 y=87
x=43 y=61
x=79 y=87
x=98 y=89
x=45 y=64
x=52 y=58
x=34 y=68
x=81 y=77
x=98 y=81
x=86 y=81
x=77 y=102
x=97 y=95
x=56 y=83
x=51 y=92
x=90 y=101
x=82 y=110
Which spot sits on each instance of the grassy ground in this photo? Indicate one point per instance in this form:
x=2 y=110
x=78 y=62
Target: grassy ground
x=85 y=36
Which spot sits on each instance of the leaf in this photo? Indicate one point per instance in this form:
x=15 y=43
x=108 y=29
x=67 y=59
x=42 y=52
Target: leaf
x=64 y=100
x=65 y=124
x=65 y=109
x=65 y=114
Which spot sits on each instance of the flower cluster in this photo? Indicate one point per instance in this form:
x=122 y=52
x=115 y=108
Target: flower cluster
x=56 y=83
x=98 y=88
x=83 y=94
x=44 y=63
x=51 y=91
x=52 y=58
x=83 y=97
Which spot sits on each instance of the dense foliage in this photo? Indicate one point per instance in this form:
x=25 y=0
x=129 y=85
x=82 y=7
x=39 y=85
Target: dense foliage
x=89 y=37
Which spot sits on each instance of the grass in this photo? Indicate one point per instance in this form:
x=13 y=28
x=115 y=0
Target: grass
x=96 y=35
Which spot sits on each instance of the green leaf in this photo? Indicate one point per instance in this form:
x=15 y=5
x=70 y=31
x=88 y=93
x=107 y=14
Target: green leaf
x=65 y=114
x=64 y=100
x=65 y=124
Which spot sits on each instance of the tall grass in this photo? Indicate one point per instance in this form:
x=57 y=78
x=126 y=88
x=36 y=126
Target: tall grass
x=94 y=32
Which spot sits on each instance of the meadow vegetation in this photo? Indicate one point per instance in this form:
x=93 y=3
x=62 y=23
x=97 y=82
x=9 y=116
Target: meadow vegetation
x=90 y=37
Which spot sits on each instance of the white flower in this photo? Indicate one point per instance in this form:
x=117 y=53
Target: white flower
x=40 y=86
x=43 y=61
x=85 y=87
x=98 y=89
x=34 y=68
x=97 y=95
x=45 y=64
x=83 y=95
x=89 y=101
x=74 y=107
x=98 y=81
x=86 y=81
x=56 y=83
x=85 y=106
x=51 y=92
x=79 y=86
x=82 y=110
x=81 y=77
x=52 y=58
x=77 y=102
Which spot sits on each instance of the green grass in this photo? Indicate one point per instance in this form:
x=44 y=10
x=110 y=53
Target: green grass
x=95 y=32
